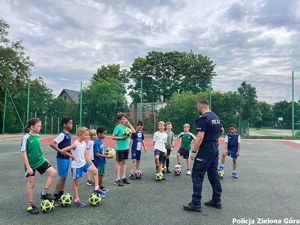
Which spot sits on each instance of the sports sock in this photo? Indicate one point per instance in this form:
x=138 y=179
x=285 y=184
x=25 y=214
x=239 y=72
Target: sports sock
x=188 y=169
x=123 y=178
x=45 y=191
x=167 y=163
x=118 y=178
x=30 y=203
x=179 y=163
x=97 y=188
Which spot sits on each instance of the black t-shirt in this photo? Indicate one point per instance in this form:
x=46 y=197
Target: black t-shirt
x=211 y=125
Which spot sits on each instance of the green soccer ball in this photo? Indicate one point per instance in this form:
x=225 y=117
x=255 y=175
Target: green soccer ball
x=66 y=199
x=158 y=176
x=110 y=151
x=95 y=199
x=47 y=206
x=221 y=174
x=127 y=132
x=164 y=169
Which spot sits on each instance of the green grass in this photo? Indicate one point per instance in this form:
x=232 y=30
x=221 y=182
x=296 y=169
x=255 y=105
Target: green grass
x=262 y=132
x=148 y=202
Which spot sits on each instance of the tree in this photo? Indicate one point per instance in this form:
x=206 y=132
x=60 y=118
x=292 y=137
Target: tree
x=172 y=72
x=103 y=100
x=248 y=101
x=15 y=66
x=109 y=72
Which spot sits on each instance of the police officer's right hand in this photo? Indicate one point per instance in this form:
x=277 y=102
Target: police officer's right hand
x=193 y=155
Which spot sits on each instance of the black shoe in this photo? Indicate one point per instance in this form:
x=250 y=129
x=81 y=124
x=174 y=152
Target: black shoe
x=211 y=203
x=192 y=207
x=168 y=171
x=125 y=181
x=57 y=203
x=32 y=209
x=132 y=176
x=119 y=183
x=47 y=196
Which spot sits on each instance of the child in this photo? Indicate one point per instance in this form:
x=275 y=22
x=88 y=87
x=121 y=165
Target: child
x=122 y=148
x=232 y=149
x=170 y=144
x=136 y=148
x=159 y=145
x=63 y=140
x=100 y=157
x=34 y=159
x=90 y=148
x=81 y=163
x=186 y=138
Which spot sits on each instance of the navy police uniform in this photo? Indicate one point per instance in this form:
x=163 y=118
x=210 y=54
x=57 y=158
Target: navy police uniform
x=206 y=159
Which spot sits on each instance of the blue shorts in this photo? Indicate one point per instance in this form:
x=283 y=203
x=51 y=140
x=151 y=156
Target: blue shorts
x=136 y=155
x=161 y=155
x=63 y=166
x=232 y=154
x=77 y=172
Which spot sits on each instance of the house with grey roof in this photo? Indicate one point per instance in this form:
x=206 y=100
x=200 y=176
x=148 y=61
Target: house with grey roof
x=70 y=96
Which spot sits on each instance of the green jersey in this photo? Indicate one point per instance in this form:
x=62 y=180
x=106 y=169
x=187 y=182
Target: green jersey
x=31 y=144
x=186 y=140
x=169 y=139
x=121 y=144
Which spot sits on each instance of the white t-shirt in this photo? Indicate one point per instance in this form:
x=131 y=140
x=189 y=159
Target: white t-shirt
x=59 y=138
x=78 y=154
x=160 y=139
x=90 y=148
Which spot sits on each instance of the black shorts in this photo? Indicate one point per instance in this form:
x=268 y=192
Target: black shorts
x=168 y=151
x=41 y=169
x=160 y=154
x=122 y=155
x=184 y=153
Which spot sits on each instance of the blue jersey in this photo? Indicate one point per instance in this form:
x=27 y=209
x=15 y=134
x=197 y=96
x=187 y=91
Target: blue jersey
x=99 y=148
x=63 y=140
x=137 y=139
x=232 y=141
x=211 y=125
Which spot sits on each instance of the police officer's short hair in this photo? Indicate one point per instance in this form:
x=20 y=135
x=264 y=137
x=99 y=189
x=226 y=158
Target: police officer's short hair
x=203 y=102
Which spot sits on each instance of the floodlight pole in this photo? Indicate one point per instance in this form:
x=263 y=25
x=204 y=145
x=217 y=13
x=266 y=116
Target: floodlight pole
x=80 y=117
x=293 y=106
x=141 y=103
x=4 y=111
x=28 y=100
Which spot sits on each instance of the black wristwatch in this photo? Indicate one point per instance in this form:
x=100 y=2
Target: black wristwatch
x=193 y=151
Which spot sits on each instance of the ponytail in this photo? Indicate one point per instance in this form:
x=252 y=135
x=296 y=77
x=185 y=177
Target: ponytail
x=30 y=123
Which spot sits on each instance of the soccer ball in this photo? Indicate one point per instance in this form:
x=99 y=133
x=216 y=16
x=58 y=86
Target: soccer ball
x=95 y=199
x=158 y=176
x=66 y=199
x=110 y=151
x=177 y=170
x=47 y=206
x=127 y=132
x=138 y=174
x=164 y=169
x=221 y=174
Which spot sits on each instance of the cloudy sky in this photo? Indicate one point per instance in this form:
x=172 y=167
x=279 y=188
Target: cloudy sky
x=257 y=41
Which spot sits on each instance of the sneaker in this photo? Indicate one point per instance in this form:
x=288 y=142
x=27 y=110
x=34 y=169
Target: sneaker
x=221 y=167
x=168 y=171
x=188 y=172
x=100 y=192
x=32 y=209
x=234 y=175
x=192 y=207
x=125 y=181
x=132 y=177
x=211 y=203
x=47 y=196
x=79 y=205
x=57 y=203
x=119 y=183
x=90 y=182
x=105 y=189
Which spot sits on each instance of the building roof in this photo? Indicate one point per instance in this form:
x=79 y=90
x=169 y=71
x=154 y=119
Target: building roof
x=74 y=95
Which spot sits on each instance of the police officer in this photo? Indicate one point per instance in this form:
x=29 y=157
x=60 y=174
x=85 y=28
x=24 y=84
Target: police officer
x=205 y=153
